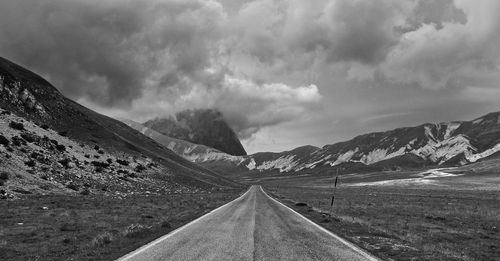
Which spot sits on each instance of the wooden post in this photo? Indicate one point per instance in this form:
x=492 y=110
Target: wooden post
x=333 y=195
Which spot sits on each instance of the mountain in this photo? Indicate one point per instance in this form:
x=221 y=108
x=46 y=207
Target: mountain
x=453 y=143
x=445 y=144
x=193 y=152
x=204 y=126
x=28 y=99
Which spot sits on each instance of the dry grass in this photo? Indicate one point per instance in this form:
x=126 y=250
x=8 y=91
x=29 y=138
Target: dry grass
x=409 y=224
x=94 y=227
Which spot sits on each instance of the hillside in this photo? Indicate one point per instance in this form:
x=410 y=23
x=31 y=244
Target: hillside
x=206 y=127
x=26 y=97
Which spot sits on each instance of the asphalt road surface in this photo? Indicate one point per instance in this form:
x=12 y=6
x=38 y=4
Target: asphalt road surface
x=251 y=227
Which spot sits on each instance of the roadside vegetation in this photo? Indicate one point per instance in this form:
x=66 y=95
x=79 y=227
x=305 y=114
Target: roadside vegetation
x=406 y=223
x=94 y=227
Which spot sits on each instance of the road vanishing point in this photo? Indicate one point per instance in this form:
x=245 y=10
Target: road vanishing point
x=251 y=227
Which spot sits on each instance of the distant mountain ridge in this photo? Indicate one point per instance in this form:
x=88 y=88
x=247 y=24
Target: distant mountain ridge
x=451 y=143
x=203 y=126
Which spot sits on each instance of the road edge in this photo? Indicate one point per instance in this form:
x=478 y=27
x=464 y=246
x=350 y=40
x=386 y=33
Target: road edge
x=164 y=237
x=351 y=245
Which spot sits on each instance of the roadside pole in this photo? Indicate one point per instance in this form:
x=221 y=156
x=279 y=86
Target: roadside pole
x=333 y=195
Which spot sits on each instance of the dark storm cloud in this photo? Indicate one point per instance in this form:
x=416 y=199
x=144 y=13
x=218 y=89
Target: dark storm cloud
x=109 y=50
x=305 y=71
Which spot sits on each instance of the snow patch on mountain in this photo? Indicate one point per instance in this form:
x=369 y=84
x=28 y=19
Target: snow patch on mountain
x=484 y=154
x=381 y=154
x=284 y=164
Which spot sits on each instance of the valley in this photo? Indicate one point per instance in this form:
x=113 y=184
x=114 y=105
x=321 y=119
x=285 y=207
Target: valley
x=76 y=184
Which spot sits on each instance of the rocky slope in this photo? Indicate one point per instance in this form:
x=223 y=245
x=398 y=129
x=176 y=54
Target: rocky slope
x=206 y=127
x=193 y=152
x=26 y=97
x=453 y=143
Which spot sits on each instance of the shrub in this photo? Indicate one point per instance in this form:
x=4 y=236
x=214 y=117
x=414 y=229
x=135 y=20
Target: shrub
x=136 y=230
x=4 y=175
x=122 y=162
x=18 y=141
x=73 y=186
x=67 y=227
x=29 y=137
x=65 y=162
x=140 y=168
x=44 y=126
x=63 y=133
x=165 y=224
x=85 y=191
x=4 y=141
x=109 y=161
x=100 y=164
x=16 y=125
x=102 y=239
x=300 y=204
x=61 y=147
x=30 y=163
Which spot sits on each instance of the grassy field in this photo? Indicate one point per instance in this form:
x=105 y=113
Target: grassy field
x=406 y=223
x=94 y=227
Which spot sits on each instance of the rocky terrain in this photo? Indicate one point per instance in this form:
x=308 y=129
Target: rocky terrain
x=206 y=127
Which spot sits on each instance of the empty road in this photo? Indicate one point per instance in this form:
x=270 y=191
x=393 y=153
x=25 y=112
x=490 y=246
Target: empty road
x=252 y=227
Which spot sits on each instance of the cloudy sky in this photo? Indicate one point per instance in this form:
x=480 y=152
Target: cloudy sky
x=284 y=73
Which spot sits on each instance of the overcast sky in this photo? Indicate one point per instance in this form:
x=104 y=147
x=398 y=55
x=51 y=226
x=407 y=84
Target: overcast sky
x=284 y=73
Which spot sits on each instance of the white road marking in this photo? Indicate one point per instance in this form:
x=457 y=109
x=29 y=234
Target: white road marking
x=158 y=240
x=345 y=242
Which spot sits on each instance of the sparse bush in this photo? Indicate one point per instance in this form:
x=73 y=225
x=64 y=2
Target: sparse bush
x=4 y=141
x=122 y=162
x=102 y=239
x=100 y=164
x=96 y=147
x=136 y=230
x=165 y=224
x=44 y=126
x=140 y=168
x=65 y=162
x=87 y=156
x=100 y=151
x=2 y=182
x=61 y=147
x=85 y=192
x=63 y=133
x=16 y=125
x=30 y=163
x=6 y=112
x=29 y=137
x=73 y=186
x=67 y=227
x=4 y=175
x=18 y=141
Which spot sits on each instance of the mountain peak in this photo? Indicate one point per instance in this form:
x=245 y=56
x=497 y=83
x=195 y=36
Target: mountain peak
x=202 y=126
